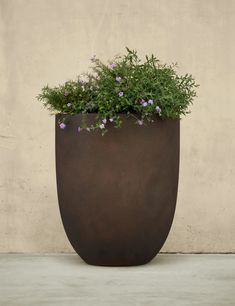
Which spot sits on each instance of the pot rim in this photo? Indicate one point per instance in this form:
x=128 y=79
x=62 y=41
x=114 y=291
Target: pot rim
x=120 y=114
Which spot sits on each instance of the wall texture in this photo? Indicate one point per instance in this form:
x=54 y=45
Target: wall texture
x=50 y=41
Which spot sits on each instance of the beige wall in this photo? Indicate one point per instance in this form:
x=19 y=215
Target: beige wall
x=50 y=41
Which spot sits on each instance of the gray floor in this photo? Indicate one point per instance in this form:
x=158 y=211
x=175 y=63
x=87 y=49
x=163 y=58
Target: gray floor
x=171 y=280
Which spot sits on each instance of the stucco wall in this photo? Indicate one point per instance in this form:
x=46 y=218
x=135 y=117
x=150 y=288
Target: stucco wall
x=50 y=41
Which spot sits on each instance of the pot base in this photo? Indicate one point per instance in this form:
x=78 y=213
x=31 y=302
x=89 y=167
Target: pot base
x=122 y=264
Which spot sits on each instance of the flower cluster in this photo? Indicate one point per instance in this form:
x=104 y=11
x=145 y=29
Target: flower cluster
x=145 y=90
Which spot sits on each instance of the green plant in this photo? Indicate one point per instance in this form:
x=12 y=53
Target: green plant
x=127 y=85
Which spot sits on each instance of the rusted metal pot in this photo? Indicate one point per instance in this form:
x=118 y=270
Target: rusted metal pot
x=117 y=192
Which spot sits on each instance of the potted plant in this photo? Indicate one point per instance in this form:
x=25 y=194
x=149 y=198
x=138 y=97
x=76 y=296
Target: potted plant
x=117 y=156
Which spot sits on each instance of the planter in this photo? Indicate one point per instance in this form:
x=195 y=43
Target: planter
x=117 y=193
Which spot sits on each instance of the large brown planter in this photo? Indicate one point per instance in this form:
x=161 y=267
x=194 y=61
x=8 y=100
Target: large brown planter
x=117 y=193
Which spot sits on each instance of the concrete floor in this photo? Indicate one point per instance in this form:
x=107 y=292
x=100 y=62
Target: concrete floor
x=171 y=280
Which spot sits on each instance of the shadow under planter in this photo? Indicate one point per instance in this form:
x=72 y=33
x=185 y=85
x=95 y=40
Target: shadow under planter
x=117 y=192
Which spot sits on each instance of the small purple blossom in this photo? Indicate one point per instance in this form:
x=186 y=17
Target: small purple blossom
x=120 y=93
x=79 y=129
x=118 y=78
x=145 y=104
x=112 y=66
x=69 y=104
x=104 y=120
x=111 y=119
x=91 y=87
x=102 y=126
x=158 y=109
x=62 y=125
x=150 y=102
x=66 y=93
x=140 y=122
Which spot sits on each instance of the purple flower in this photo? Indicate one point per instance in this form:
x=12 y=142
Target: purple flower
x=111 y=119
x=104 y=120
x=81 y=82
x=145 y=103
x=69 y=104
x=66 y=93
x=150 y=102
x=158 y=109
x=112 y=66
x=91 y=87
x=62 y=125
x=120 y=93
x=140 y=122
x=118 y=78
x=102 y=126
x=79 y=129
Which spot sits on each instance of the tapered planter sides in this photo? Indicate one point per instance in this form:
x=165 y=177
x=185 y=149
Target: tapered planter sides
x=117 y=192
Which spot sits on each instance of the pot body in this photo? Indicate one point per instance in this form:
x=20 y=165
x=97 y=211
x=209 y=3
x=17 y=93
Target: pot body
x=117 y=192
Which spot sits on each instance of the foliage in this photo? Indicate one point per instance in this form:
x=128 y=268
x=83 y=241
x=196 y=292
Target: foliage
x=143 y=89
